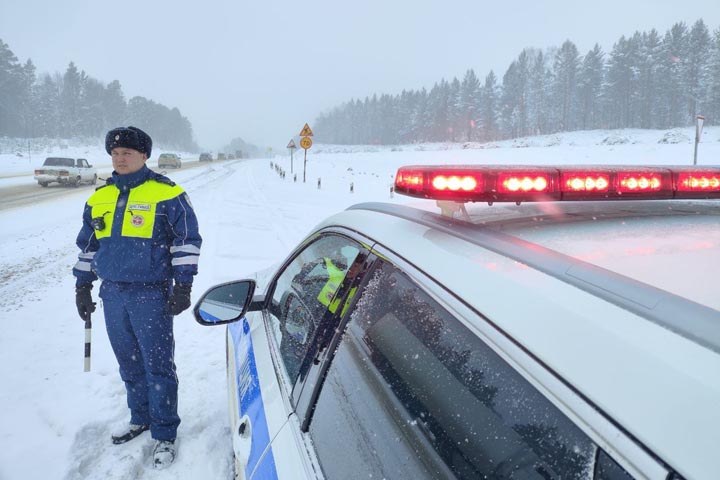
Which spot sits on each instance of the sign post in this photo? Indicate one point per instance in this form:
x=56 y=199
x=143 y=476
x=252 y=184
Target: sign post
x=698 y=133
x=305 y=143
x=291 y=146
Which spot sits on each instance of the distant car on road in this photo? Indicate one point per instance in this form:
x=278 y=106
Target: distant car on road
x=221 y=156
x=206 y=157
x=66 y=171
x=169 y=160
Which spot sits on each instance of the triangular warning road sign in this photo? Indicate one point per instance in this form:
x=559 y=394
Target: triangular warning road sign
x=306 y=132
x=291 y=144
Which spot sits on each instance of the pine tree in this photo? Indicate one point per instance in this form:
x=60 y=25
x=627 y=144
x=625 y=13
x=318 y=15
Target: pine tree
x=114 y=105
x=515 y=96
x=713 y=82
x=70 y=110
x=523 y=91
x=696 y=64
x=456 y=125
x=438 y=110
x=91 y=120
x=406 y=108
x=421 y=117
x=565 y=70
x=635 y=61
x=469 y=92
x=508 y=110
x=590 y=83
x=538 y=103
x=488 y=109
x=648 y=76
x=47 y=107
x=673 y=95
x=620 y=80
x=11 y=93
x=26 y=100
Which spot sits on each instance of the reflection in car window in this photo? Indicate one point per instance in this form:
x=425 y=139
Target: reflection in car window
x=414 y=394
x=304 y=292
x=224 y=302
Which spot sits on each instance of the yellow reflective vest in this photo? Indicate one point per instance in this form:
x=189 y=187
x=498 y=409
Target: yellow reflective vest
x=138 y=228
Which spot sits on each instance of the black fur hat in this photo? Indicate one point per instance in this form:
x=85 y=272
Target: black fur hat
x=128 y=137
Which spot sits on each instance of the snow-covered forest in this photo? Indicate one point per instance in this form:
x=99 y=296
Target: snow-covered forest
x=647 y=80
x=74 y=104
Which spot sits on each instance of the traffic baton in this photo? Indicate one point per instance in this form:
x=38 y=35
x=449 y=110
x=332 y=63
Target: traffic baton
x=88 y=335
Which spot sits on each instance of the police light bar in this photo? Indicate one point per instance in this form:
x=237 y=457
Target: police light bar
x=492 y=183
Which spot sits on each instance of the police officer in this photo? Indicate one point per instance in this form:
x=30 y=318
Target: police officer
x=140 y=237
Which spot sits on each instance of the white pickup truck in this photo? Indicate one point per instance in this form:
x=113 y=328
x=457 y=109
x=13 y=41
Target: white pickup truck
x=66 y=171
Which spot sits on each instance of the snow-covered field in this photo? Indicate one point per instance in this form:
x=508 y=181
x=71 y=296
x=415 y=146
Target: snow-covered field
x=56 y=420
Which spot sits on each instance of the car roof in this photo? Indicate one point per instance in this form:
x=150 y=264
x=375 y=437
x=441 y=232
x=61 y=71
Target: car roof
x=662 y=243
x=647 y=357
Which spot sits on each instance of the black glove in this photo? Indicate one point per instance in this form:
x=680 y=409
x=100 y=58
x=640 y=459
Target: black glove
x=179 y=300
x=83 y=300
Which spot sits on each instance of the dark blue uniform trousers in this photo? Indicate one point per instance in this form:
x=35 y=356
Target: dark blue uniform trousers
x=141 y=334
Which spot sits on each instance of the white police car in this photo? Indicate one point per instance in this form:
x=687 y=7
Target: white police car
x=573 y=338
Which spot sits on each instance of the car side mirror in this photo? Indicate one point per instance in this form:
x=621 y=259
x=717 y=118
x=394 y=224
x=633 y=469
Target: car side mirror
x=225 y=303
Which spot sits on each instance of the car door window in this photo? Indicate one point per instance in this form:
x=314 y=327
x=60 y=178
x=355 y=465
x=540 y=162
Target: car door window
x=413 y=393
x=608 y=469
x=304 y=293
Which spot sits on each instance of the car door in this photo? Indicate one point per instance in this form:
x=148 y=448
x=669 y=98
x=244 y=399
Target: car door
x=84 y=170
x=410 y=390
x=271 y=351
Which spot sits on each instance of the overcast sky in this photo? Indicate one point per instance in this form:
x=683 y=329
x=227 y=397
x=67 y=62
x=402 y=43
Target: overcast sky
x=260 y=70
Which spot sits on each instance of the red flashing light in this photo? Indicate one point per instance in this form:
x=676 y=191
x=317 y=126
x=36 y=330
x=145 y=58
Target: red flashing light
x=409 y=179
x=490 y=183
x=582 y=182
x=703 y=182
x=512 y=183
x=465 y=183
x=638 y=182
x=698 y=182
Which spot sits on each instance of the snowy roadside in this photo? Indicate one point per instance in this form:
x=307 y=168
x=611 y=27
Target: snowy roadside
x=15 y=161
x=250 y=218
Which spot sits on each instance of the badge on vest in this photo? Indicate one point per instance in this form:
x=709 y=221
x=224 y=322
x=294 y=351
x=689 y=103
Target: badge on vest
x=139 y=206
x=138 y=221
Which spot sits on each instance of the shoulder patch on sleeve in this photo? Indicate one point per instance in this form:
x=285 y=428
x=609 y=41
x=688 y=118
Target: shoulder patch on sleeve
x=165 y=180
x=161 y=178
